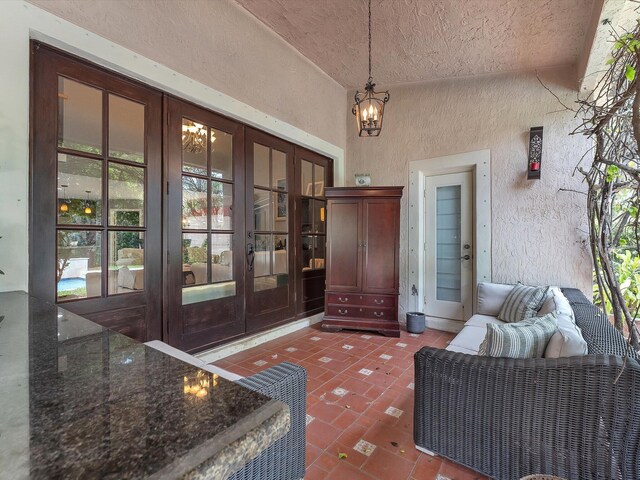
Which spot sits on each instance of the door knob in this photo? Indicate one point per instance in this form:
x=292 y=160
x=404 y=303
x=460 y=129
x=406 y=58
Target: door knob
x=465 y=257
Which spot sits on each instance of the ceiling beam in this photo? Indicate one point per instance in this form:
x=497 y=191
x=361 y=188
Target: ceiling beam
x=618 y=15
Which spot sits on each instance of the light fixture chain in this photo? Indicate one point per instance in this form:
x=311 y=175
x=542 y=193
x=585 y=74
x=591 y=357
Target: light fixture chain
x=370 y=77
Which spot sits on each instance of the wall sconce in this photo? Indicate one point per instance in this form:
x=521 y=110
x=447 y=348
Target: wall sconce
x=534 y=164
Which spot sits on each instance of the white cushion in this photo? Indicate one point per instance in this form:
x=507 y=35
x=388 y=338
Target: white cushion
x=568 y=340
x=190 y=359
x=468 y=340
x=491 y=296
x=478 y=320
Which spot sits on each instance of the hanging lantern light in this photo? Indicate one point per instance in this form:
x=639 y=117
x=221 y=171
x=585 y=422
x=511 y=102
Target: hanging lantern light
x=87 y=207
x=64 y=204
x=369 y=105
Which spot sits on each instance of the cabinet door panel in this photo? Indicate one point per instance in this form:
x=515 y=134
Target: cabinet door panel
x=380 y=223
x=344 y=251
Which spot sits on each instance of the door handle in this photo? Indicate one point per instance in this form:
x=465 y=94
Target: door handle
x=379 y=314
x=251 y=256
x=342 y=312
x=343 y=300
x=378 y=302
x=465 y=257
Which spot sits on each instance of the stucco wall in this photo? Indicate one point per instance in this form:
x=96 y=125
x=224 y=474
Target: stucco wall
x=220 y=44
x=537 y=230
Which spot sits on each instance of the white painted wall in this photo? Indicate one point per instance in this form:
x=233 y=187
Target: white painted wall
x=537 y=230
x=210 y=52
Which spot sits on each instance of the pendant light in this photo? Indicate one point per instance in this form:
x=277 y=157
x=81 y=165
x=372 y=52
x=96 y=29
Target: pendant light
x=369 y=106
x=87 y=209
x=64 y=204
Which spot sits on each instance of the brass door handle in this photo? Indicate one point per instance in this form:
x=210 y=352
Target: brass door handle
x=379 y=314
x=375 y=300
x=343 y=300
x=342 y=312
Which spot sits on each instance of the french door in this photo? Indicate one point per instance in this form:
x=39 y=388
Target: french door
x=270 y=273
x=448 y=246
x=205 y=227
x=95 y=221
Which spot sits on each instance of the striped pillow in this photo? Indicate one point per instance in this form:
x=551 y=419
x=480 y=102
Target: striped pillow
x=523 y=302
x=526 y=339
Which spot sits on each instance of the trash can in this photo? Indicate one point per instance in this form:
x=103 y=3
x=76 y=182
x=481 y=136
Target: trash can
x=415 y=322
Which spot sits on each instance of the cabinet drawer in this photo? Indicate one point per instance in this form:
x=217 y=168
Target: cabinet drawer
x=361 y=299
x=360 y=311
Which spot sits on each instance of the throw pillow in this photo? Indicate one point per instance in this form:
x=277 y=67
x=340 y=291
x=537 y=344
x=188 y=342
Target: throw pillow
x=526 y=339
x=523 y=302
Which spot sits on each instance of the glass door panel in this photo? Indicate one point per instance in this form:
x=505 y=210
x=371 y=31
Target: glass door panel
x=448 y=243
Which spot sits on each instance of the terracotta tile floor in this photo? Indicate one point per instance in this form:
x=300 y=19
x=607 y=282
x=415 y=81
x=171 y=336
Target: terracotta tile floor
x=359 y=402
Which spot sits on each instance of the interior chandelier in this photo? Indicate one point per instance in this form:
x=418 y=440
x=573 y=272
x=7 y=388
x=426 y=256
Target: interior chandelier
x=194 y=137
x=369 y=106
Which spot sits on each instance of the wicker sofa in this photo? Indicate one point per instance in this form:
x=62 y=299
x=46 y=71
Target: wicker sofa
x=576 y=417
x=287 y=382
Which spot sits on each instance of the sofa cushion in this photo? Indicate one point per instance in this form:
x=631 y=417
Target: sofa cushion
x=491 y=296
x=468 y=340
x=522 y=302
x=525 y=339
x=478 y=320
x=568 y=340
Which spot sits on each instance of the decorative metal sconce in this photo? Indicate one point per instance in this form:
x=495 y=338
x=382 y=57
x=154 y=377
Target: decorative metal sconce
x=535 y=154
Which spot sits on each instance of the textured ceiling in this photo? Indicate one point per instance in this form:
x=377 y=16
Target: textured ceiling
x=421 y=40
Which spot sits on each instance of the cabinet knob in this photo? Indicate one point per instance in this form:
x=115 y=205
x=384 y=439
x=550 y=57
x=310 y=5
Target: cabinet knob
x=379 y=314
x=378 y=302
x=343 y=300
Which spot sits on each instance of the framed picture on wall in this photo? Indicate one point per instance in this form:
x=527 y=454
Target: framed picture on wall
x=281 y=200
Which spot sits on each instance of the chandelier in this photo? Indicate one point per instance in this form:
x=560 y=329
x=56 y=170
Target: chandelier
x=194 y=137
x=369 y=106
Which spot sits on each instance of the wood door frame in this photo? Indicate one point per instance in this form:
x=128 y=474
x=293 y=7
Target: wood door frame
x=479 y=162
x=173 y=318
x=319 y=275
x=276 y=316
x=48 y=63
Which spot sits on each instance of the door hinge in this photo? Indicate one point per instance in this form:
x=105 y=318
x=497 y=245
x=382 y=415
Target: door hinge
x=167 y=188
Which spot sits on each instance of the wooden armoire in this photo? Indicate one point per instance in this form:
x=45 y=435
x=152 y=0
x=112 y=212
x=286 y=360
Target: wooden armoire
x=363 y=240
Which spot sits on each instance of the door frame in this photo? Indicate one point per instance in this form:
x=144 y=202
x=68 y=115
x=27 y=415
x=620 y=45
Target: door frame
x=479 y=163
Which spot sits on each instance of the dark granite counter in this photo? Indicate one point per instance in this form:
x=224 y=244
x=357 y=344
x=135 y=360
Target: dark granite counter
x=80 y=401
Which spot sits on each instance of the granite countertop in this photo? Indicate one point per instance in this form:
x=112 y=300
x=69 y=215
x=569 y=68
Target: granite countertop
x=81 y=401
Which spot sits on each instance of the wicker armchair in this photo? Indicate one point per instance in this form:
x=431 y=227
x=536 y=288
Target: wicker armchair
x=285 y=459
x=576 y=418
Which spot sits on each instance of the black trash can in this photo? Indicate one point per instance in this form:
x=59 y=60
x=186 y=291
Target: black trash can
x=415 y=322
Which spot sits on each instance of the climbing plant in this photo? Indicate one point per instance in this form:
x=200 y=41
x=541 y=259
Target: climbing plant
x=611 y=118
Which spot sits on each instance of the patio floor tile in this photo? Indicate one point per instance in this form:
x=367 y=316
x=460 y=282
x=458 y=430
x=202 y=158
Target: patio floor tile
x=369 y=411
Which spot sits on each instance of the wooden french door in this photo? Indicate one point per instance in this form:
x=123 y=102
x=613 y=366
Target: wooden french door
x=95 y=209
x=205 y=227
x=269 y=265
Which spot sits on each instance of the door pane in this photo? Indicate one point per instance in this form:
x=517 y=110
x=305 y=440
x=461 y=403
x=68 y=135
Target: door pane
x=280 y=212
x=79 y=190
x=78 y=273
x=221 y=154
x=279 y=166
x=79 y=116
x=262 y=261
x=194 y=203
x=448 y=266
x=261 y=207
x=126 y=262
x=126 y=129
x=319 y=216
x=307 y=215
x=221 y=206
x=307 y=178
x=280 y=257
x=195 y=265
x=261 y=165
x=318 y=175
x=319 y=252
x=126 y=195
x=221 y=257
x=307 y=253
x=194 y=147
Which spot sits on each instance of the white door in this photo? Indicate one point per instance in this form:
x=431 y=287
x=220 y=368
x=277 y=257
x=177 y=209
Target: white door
x=448 y=246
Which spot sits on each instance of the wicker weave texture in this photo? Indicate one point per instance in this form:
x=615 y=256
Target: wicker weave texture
x=284 y=459
x=576 y=418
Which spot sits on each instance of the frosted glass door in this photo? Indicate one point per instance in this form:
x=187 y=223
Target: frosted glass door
x=448 y=246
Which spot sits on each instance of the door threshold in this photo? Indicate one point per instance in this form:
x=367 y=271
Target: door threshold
x=218 y=353
x=445 y=324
